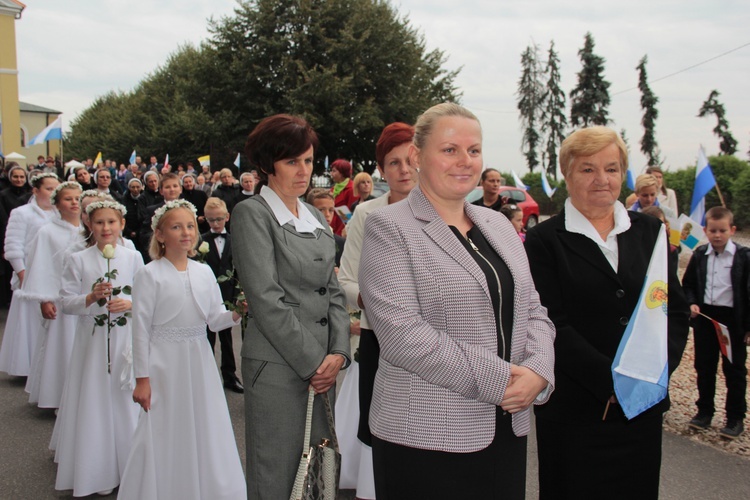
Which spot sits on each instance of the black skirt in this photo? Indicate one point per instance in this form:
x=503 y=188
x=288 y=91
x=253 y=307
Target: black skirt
x=496 y=472
x=616 y=459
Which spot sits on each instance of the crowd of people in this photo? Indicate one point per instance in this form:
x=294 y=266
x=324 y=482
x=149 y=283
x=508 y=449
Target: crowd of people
x=123 y=277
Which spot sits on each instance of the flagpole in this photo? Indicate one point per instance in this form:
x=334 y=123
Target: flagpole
x=721 y=198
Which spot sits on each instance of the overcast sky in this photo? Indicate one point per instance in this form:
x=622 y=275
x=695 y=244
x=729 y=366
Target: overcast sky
x=71 y=52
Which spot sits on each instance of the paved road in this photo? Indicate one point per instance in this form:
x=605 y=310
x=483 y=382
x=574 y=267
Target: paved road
x=690 y=470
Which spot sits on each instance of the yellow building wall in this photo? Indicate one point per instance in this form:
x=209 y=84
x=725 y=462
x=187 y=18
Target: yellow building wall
x=9 y=111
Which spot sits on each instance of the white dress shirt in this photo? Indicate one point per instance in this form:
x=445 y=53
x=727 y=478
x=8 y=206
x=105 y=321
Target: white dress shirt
x=719 y=276
x=576 y=222
x=304 y=223
x=220 y=242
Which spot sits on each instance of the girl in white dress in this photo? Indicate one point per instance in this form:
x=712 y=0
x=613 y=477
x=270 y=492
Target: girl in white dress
x=24 y=317
x=42 y=281
x=97 y=417
x=184 y=446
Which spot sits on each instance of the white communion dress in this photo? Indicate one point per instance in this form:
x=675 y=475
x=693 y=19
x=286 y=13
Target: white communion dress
x=184 y=446
x=42 y=283
x=97 y=415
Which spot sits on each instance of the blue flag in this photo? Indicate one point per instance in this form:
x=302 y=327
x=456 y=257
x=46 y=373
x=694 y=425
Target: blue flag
x=704 y=182
x=640 y=370
x=547 y=188
x=53 y=131
x=237 y=161
x=519 y=182
x=132 y=157
x=631 y=180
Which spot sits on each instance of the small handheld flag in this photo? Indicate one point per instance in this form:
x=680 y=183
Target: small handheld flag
x=132 y=157
x=51 y=132
x=166 y=161
x=237 y=161
x=704 y=182
x=98 y=159
x=519 y=182
x=325 y=163
x=722 y=333
x=205 y=160
x=631 y=180
x=547 y=188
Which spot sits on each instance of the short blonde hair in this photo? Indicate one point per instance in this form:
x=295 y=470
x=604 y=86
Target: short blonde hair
x=156 y=250
x=426 y=121
x=217 y=203
x=589 y=141
x=644 y=181
x=226 y=171
x=359 y=179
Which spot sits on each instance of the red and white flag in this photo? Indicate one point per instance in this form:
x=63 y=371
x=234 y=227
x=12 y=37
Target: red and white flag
x=722 y=333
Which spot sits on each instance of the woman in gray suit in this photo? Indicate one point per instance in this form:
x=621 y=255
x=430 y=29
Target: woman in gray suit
x=466 y=346
x=298 y=335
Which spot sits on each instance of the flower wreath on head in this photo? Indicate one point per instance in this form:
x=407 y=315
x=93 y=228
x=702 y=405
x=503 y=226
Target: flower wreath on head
x=64 y=185
x=42 y=176
x=106 y=204
x=93 y=193
x=169 y=206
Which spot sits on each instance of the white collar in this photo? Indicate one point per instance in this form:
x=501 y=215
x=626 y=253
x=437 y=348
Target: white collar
x=305 y=223
x=576 y=222
x=730 y=248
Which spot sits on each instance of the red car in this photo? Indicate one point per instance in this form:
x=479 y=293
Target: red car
x=517 y=196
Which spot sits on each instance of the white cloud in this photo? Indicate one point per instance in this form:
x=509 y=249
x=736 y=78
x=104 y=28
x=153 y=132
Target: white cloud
x=71 y=52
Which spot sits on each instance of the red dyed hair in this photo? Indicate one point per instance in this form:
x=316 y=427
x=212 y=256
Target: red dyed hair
x=343 y=166
x=393 y=135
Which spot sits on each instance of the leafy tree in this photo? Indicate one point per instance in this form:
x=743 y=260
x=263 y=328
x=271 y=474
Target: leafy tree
x=740 y=191
x=553 y=118
x=590 y=98
x=728 y=144
x=349 y=66
x=530 y=94
x=649 y=147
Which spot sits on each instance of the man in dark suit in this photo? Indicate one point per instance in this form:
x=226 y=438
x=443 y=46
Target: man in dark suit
x=219 y=258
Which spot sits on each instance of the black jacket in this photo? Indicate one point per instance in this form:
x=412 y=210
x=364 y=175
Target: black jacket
x=694 y=282
x=591 y=306
x=220 y=265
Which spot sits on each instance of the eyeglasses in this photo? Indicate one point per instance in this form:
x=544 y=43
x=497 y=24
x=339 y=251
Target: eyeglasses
x=216 y=220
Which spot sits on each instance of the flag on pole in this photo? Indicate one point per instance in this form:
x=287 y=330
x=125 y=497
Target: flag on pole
x=640 y=370
x=722 y=332
x=631 y=180
x=547 y=188
x=704 y=182
x=132 y=157
x=519 y=182
x=325 y=163
x=166 y=161
x=205 y=160
x=53 y=131
x=98 y=159
x=237 y=161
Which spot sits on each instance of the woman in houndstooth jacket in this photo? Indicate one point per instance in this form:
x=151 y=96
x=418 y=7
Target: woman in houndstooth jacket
x=466 y=346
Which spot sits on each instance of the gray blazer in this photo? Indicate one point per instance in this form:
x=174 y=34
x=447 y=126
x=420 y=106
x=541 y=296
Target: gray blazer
x=440 y=378
x=298 y=310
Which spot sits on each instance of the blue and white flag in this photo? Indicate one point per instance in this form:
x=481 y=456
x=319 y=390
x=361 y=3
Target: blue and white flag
x=631 y=180
x=53 y=131
x=237 y=161
x=132 y=157
x=325 y=164
x=545 y=185
x=640 y=370
x=519 y=182
x=704 y=182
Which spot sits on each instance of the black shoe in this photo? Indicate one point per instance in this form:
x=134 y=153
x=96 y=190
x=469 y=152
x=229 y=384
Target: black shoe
x=701 y=421
x=733 y=429
x=234 y=386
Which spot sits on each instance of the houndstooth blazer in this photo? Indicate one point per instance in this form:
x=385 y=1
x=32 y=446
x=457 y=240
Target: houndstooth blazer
x=440 y=377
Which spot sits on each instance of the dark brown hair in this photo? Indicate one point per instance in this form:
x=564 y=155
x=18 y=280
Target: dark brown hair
x=275 y=138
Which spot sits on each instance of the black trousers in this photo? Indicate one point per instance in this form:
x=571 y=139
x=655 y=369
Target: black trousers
x=369 y=355
x=228 y=365
x=706 y=353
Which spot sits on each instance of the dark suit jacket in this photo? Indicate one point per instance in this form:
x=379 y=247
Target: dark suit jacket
x=694 y=282
x=591 y=305
x=220 y=265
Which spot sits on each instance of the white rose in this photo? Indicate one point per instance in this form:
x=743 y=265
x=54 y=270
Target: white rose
x=108 y=252
x=203 y=248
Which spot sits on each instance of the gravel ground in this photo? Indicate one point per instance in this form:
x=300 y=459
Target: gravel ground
x=683 y=391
